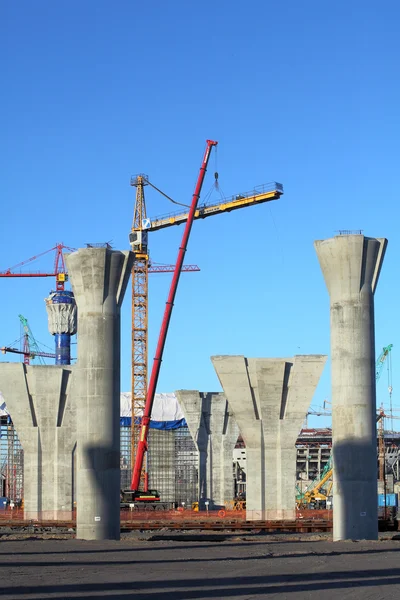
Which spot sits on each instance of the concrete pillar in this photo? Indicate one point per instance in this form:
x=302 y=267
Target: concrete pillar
x=215 y=433
x=351 y=265
x=269 y=398
x=99 y=277
x=40 y=403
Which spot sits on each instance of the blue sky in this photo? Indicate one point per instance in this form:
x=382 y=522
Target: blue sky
x=304 y=93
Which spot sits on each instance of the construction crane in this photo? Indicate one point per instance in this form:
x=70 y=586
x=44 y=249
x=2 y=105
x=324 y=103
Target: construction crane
x=139 y=243
x=59 y=270
x=316 y=413
x=142 y=266
x=258 y=195
x=381 y=360
x=134 y=495
x=385 y=354
x=30 y=348
x=316 y=491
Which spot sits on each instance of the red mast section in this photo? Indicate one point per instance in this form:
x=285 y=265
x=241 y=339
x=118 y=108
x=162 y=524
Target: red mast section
x=142 y=445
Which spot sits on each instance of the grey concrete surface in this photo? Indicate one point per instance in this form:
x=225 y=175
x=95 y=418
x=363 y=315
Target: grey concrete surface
x=99 y=278
x=351 y=265
x=42 y=407
x=241 y=567
x=269 y=398
x=215 y=433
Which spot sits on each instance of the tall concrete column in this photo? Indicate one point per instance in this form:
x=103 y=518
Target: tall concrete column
x=269 y=398
x=215 y=433
x=40 y=402
x=99 y=277
x=351 y=265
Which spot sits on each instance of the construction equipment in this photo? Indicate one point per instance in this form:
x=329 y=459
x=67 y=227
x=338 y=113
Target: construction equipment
x=30 y=349
x=135 y=495
x=59 y=270
x=142 y=266
x=316 y=491
x=381 y=360
x=139 y=244
x=239 y=502
x=259 y=195
x=381 y=413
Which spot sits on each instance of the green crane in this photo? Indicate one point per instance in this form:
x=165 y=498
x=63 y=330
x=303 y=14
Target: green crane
x=381 y=359
x=30 y=349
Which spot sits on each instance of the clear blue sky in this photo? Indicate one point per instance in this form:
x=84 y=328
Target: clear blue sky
x=304 y=93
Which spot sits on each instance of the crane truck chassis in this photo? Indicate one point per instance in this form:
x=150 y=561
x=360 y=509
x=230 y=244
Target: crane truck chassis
x=149 y=501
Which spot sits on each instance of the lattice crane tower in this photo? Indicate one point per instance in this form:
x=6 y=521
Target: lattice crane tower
x=140 y=274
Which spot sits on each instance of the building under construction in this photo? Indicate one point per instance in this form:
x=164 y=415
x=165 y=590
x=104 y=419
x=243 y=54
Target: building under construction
x=173 y=459
x=11 y=461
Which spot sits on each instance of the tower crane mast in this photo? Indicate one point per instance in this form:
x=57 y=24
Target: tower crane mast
x=142 y=266
x=381 y=414
x=140 y=274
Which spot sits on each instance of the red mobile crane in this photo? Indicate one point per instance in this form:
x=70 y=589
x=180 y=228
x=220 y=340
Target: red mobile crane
x=134 y=495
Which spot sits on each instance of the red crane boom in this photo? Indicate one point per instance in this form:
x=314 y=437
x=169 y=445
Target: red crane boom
x=142 y=445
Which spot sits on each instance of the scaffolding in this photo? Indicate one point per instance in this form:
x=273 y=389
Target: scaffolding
x=11 y=462
x=172 y=461
x=186 y=474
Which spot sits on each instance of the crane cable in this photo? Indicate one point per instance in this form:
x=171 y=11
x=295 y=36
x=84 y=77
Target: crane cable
x=167 y=197
x=216 y=185
x=207 y=196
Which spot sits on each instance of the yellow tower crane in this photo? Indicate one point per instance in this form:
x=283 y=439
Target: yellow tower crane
x=138 y=239
x=140 y=275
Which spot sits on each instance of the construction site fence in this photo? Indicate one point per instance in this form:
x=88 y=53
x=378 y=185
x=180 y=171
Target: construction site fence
x=20 y=515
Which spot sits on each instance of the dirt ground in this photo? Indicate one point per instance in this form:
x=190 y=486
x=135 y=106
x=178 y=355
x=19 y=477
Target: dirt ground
x=193 y=566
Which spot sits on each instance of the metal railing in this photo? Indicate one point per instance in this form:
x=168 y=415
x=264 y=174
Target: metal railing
x=258 y=190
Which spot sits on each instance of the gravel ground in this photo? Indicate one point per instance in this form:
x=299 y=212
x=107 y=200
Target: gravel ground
x=186 y=566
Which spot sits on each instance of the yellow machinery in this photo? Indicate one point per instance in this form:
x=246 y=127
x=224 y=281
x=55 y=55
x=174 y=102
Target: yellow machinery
x=260 y=194
x=317 y=492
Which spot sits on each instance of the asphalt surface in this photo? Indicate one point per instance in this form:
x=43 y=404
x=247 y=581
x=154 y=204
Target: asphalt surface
x=186 y=567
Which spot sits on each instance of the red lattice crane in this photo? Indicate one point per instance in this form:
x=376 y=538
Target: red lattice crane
x=59 y=271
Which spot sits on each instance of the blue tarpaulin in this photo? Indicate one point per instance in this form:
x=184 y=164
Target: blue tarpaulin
x=126 y=422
